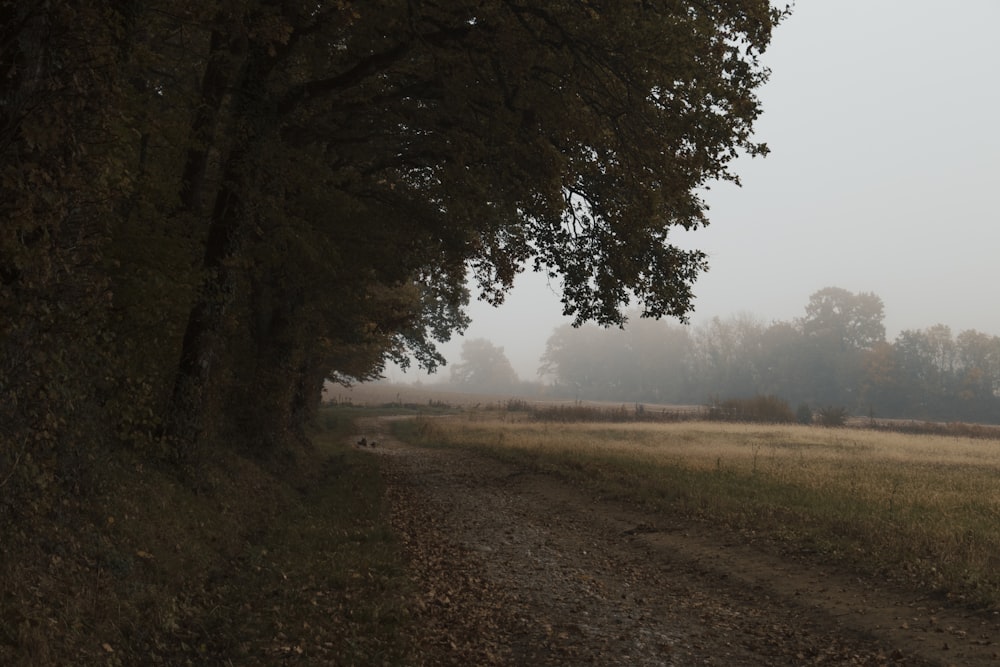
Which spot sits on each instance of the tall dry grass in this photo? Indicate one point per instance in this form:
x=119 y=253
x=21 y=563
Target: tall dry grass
x=920 y=508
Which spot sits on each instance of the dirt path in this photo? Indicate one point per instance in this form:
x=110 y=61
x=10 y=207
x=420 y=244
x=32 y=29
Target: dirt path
x=516 y=568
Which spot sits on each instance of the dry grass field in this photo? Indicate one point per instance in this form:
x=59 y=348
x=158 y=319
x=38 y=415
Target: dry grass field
x=924 y=510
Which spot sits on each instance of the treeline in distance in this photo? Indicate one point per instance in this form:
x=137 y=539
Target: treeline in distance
x=835 y=355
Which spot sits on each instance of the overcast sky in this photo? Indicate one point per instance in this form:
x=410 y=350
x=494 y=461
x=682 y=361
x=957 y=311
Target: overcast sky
x=883 y=119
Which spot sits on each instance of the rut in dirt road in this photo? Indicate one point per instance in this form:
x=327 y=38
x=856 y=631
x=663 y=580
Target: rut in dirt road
x=517 y=568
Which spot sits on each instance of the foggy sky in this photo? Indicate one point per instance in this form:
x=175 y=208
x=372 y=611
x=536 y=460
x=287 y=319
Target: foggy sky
x=882 y=119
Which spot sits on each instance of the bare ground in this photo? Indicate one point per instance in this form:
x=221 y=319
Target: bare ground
x=517 y=568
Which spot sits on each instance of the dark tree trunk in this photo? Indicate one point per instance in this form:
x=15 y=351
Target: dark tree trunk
x=189 y=405
x=307 y=396
x=222 y=64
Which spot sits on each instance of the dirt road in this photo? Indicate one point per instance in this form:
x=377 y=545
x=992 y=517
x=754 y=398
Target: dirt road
x=517 y=568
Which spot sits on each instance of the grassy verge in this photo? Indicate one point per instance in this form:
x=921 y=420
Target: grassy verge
x=916 y=508
x=234 y=563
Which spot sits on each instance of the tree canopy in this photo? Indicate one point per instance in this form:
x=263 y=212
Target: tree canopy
x=852 y=320
x=211 y=208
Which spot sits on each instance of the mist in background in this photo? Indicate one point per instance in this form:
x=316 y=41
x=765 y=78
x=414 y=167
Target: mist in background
x=883 y=177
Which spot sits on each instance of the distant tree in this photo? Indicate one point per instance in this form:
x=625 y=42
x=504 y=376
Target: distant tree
x=881 y=387
x=946 y=377
x=978 y=357
x=656 y=364
x=577 y=362
x=644 y=361
x=925 y=359
x=839 y=327
x=728 y=356
x=785 y=361
x=483 y=367
x=854 y=321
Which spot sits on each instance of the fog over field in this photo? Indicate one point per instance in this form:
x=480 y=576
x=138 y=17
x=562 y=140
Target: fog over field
x=882 y=177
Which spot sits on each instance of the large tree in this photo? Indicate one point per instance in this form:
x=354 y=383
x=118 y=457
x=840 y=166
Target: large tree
x=568 y=135
x=215 y=196
x=843 y=318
